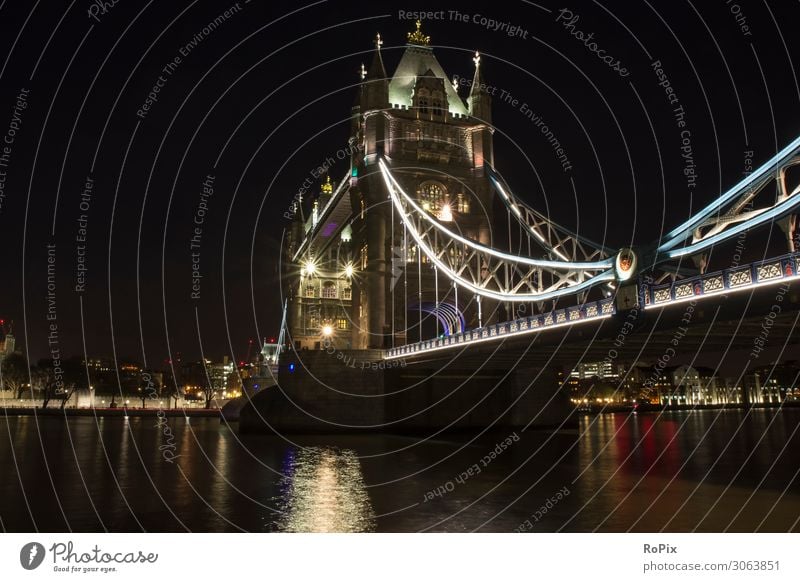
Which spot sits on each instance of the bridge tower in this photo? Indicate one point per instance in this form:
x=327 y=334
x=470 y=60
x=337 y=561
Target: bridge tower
x=438 y=143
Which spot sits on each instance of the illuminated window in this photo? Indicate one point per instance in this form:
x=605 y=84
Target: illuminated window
x=311 y=290
x=341 y=323
x=364 y=258
x=432 y=195
x=347 y=293
x=462 y=203
x=329 y=290
x=411 y=255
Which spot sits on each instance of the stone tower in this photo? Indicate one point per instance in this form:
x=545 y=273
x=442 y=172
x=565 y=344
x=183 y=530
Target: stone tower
x=436 y=143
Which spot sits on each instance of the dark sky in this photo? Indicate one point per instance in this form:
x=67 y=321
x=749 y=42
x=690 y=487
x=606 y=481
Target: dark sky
x=268 y=92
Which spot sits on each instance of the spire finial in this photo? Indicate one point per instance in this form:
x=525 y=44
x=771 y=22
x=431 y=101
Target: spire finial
x=417 y=37
x=363 y=72
x=455 y=83
x=378 y=41
x=477 y=59
x=327 y=186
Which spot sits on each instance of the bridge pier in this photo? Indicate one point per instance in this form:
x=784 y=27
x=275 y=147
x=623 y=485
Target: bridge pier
x=357 y=391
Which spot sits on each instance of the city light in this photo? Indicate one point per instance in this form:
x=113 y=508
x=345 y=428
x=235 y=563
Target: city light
x=310 y=268
x=446 y=215
x=327 y=330
x=348 y=270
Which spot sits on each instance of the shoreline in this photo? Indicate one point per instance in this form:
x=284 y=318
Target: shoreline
x=112 y=412
x=218 y=412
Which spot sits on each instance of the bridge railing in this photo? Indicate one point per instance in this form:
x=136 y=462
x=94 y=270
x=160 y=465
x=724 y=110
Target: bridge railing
x=566 y=316
x=738 y=278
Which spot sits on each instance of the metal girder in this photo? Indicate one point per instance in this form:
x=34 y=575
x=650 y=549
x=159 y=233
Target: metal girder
x=492 y=273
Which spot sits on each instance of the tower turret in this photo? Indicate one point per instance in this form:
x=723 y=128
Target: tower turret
x=480 y=108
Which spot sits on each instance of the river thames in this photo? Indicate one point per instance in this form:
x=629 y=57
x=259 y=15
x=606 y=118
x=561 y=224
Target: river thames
x=709 y=470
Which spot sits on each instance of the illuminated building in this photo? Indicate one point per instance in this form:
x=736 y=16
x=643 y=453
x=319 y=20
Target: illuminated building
x=355 y=280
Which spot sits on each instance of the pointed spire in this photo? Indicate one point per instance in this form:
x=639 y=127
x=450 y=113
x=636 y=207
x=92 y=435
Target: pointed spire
x=478 y=86
x=480 y=102
x=376 y=69
x=375 y=93
x=362 y=72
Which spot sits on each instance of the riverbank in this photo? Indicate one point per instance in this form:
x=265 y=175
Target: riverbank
x=604 y=408
x=119 y=412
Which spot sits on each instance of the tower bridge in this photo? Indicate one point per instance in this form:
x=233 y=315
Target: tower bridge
x=404 y=307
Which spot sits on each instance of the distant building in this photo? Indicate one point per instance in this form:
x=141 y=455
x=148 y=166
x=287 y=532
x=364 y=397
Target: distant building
x=9 y=345
x=603 y=370
x=775 y=383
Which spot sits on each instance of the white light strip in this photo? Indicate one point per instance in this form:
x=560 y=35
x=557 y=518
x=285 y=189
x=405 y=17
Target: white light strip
x=681 y=231
x=785 y=206
x=599 y=278
x=535 y=232
x=586 y=266
x=747 y=287
x=496 y=337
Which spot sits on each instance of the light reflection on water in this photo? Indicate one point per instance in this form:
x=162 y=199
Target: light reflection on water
x=708 y=470
x=323 y=491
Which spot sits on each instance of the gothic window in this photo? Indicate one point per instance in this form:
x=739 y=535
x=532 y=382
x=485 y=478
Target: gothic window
x=462 y=203
x=423 y=101
x=341 y=323
x=347 y=293
x=437 y=102
x=423 y=105
x=329 y=290
x=311 y=289
x=364 y=258
x=432 y=195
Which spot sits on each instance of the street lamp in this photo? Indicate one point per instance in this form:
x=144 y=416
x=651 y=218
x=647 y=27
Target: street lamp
x=327 y=330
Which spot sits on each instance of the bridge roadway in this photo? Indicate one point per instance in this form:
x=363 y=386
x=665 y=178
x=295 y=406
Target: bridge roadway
x=713 y=324
x=513 y=381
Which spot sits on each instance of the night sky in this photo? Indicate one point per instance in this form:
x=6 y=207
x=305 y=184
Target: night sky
x=264 y=98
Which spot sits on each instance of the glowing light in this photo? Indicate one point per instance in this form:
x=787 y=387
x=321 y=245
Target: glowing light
x=590 y=282
x=397 y=353
x=348 y=270
x=327 y=330
x=677 y=234
x=393 y=186
x=446 y=215
x=310 y=268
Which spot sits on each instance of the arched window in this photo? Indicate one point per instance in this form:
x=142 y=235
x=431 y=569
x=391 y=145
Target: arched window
x=423 y=101
x=432 y=195
x=437 y=102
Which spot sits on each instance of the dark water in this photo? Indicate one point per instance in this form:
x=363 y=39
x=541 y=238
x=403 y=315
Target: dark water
x=682 y=471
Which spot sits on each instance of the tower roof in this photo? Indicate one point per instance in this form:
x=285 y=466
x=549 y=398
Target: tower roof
x=418 y=60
